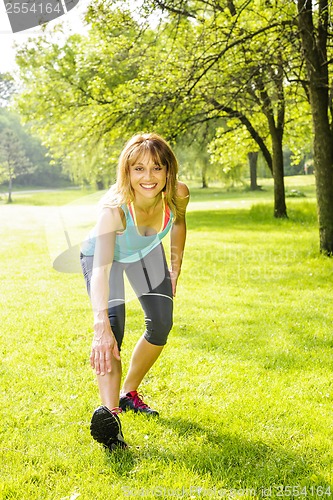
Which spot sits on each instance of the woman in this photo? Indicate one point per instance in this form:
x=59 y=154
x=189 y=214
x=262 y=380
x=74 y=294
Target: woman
x=137 y=212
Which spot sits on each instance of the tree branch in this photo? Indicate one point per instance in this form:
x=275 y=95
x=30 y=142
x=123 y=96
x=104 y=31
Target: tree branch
x=233 y=113
x=174 y=10
x=232 y=45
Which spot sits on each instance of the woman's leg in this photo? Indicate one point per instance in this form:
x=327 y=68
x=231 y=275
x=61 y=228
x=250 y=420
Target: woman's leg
x=109 y=384
x=142 y=359
x=150 y=279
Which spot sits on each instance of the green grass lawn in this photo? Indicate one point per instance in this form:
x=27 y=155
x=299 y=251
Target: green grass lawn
x=244 y=386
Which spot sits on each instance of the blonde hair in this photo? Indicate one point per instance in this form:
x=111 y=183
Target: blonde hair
x=161 y=154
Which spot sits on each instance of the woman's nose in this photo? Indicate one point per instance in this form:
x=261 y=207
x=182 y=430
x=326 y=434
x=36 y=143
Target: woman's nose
x=148 y=174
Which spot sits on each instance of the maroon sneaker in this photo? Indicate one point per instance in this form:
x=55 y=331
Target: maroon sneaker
x=133 y=401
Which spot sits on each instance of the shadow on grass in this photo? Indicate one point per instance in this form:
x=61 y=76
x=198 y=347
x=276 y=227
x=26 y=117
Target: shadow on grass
x=238 y=462
x=122 y=461
x=226 y=459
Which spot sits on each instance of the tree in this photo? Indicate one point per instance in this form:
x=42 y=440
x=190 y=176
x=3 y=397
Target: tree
x=236 y=68
x=314 y=24
x=238 y=72
x=7 y=88
x=193 y=159
x=80 y=105
x=229 y=149
x=242 y=66
x=13 y=161
x=46 y=171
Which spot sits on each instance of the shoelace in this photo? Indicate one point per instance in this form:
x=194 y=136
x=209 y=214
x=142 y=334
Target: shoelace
x=116 y=410
x=137 y=400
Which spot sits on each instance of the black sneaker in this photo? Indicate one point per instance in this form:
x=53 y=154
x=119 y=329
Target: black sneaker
x=105 y=428
x=133 y=401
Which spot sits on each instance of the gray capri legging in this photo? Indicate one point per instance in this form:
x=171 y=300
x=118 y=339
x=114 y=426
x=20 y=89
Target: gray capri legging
x=150 y=279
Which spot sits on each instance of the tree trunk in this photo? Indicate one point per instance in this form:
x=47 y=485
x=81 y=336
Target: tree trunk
x=204 y=177
x=253 y=159
x=323 y=165
x=314 y=44
x=10 y=184
x=275 y=120
x=280 y=209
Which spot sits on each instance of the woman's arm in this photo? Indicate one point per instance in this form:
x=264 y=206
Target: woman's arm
x=178 y=235
x=104 y=343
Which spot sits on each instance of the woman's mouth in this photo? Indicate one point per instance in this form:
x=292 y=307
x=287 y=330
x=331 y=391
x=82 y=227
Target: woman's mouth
x=148 y=186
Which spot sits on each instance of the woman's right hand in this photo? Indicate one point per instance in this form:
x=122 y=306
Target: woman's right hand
x=104 y=346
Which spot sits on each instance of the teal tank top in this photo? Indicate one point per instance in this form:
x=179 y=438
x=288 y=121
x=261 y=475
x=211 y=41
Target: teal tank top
x=130 y=245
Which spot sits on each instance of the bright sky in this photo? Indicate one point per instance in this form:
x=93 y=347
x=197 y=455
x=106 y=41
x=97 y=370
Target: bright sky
x=72 y=21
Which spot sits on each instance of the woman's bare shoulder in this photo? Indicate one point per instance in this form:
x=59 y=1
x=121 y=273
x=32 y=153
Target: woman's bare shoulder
x=182 y=190
x=111 y=219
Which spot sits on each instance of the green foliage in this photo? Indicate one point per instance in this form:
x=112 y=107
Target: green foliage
x=197 y=65
x=41 y=172
x=192 y=151
x=229 y=150
x=77 y=116
x=7 y=88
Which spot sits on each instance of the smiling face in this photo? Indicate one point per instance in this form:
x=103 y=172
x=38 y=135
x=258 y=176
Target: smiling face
x=140 y=152
x=147 y=177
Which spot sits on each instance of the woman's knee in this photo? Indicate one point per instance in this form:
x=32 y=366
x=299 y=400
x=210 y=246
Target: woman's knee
x=117 y=322
x=157 y=330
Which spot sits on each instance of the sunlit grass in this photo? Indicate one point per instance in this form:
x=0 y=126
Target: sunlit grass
x=47 y=197
x=244 y=386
